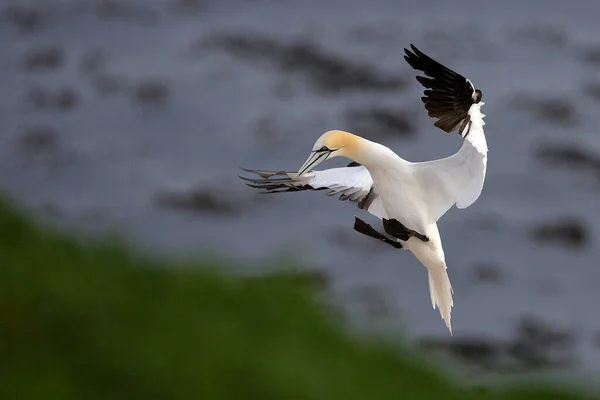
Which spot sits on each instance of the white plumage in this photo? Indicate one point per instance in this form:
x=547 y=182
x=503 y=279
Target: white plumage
x=408 y=197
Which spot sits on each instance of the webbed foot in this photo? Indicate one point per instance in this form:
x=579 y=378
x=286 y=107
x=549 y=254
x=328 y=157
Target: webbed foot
x=398 y=230
x=362 y=227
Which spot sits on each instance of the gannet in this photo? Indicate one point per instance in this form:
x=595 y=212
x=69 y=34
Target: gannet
x=409 y=197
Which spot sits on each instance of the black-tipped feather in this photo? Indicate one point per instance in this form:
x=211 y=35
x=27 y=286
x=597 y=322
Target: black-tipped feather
x=448 y=95
x=352 y=183
x=275 y=185
x=287 y=183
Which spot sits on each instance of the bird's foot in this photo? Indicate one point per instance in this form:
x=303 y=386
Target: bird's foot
x=398 y=230
x=418 y=235
x=362 y=227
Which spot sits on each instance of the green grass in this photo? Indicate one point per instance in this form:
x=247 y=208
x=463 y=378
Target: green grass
x=96 y=322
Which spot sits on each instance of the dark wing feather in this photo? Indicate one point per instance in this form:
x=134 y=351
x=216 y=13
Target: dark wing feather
x=448 y=95
x=353 y=183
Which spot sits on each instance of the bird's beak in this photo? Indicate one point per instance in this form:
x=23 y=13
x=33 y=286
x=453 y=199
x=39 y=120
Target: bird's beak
x=315 y=158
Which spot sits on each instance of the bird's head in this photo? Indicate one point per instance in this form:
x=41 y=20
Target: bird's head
x=330 y=144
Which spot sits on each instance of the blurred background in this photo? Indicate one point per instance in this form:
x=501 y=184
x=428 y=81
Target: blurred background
x=134 y=116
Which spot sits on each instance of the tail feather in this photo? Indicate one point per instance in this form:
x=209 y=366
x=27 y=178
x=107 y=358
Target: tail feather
x=441 y=292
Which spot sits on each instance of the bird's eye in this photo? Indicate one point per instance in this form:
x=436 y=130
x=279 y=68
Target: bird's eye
x=324 y=148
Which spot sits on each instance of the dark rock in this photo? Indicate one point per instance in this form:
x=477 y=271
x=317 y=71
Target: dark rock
x=379 y=122
x=327 y=73
x=568 y=155
x=592 y=56
x=540 y=344
x=25 y=18
x=480 y=351
x=569 y=232
x=46 y=58
x=536 y=345
x=40 y=98
x=67 y=99
x=487 y=273
x=151 y=93
x=593 y=90
x=558 y=110
x=37 y=140
x=200 y=200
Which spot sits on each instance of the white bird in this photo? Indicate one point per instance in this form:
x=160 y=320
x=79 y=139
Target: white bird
x=409 y=197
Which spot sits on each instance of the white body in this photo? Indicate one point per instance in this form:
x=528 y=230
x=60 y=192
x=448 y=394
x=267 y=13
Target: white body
x=418 y=194
x=389 y=187
x=415 y=194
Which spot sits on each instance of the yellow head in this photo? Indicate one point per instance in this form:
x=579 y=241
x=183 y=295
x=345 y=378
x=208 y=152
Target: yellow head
x=331 y=144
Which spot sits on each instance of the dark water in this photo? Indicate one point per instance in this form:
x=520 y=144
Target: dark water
x=111 y=112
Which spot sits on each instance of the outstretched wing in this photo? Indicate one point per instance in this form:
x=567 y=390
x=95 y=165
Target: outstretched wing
x=455 y=102
x=353 y=183
x=457 y=179
x=448 y=95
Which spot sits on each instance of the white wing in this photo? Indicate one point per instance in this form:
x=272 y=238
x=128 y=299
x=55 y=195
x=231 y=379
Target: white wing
x=352 y=183
x=456 y=103
x=457 y=179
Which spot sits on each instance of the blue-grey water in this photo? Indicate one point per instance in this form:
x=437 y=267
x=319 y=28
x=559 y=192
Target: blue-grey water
x=98 y=158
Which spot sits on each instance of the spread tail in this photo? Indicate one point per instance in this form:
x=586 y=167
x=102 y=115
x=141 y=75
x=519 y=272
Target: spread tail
x=441 y=292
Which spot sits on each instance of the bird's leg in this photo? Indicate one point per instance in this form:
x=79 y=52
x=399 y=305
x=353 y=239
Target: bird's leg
x=361 y=226
x=418 y=235
x=398 y=230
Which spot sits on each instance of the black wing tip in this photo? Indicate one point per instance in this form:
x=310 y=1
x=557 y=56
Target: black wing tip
x=416 y=58
x=244 y=178
x=413 y=57
x=253 y=171
x=414 y=51
x=422 y=62
x=267 y=174
x=262 y=181
x=268 y=184
x=449 y=95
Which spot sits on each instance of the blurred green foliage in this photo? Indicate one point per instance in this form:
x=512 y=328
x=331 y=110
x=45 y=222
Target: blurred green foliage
x=92 y=321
